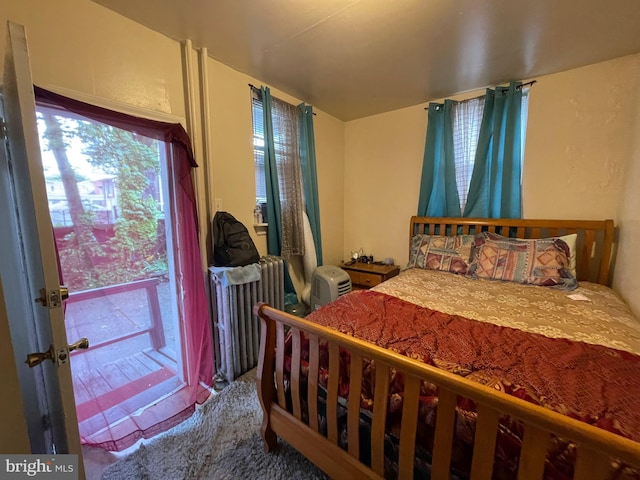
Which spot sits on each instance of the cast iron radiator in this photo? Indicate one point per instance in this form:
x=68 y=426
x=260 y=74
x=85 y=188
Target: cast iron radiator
x=236 y=329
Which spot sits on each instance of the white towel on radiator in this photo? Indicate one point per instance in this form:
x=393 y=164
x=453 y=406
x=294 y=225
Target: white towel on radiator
x=237 y=275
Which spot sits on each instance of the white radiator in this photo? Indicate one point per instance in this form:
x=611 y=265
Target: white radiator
x=236 y=329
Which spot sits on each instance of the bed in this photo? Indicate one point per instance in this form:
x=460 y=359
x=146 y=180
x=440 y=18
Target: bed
x=460 y=376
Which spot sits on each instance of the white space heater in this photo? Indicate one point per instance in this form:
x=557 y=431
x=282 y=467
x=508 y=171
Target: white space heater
x=327 y=284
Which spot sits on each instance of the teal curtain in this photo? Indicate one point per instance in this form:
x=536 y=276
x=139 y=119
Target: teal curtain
x=274 y=215
x=438 y=187
x=495 y=190
x=310 y=175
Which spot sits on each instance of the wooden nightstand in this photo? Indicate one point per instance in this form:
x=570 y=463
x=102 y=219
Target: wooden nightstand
x=367 y=275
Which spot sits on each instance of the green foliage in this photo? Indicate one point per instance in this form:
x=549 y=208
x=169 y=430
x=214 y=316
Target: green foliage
x=136 y=249
x=77 y=277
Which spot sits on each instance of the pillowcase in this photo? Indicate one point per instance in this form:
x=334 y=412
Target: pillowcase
x=448 y=254
x=543 y=262
x=570 y=240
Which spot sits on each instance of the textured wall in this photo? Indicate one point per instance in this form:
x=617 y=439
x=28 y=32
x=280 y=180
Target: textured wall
x=626 y=278
x=580 y=139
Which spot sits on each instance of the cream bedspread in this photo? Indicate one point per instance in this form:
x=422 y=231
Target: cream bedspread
x=602 y=319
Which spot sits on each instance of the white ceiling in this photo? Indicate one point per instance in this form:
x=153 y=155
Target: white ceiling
x=354 y=58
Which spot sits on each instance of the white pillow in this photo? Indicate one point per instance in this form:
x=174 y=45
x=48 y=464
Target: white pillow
x=570 y=240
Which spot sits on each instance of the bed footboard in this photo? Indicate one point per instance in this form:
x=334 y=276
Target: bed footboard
x=291 y=410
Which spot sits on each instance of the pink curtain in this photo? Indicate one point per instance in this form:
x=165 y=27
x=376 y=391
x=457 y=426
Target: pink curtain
x=193 y=310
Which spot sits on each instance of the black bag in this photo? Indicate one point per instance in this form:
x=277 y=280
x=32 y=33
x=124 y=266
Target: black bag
x=232 y=244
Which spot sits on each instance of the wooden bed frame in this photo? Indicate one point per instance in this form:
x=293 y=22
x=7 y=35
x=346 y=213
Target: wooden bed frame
x=595 y=446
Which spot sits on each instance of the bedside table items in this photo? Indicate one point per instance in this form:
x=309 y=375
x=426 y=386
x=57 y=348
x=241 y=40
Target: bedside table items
x=359 y=256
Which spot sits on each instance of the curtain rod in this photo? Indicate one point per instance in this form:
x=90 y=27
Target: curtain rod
x=519 y=87
x=257 y=89
x=528 y=84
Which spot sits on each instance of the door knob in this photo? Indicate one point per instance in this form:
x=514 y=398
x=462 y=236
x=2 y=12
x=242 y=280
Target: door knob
x=64 y=293
x=37 y=358
x=81 y=344
x=61 y=355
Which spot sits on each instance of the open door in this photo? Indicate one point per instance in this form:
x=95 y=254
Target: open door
x=28 y=267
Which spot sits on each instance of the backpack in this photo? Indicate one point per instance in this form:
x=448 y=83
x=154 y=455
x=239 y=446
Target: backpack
x=232 y=244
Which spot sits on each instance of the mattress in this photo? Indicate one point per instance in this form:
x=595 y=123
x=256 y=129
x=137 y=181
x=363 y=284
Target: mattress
x=591 y=313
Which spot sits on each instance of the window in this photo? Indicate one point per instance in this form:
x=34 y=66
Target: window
x=467 y=118
x=285 y=142
x=285 y=123
x=258 y=146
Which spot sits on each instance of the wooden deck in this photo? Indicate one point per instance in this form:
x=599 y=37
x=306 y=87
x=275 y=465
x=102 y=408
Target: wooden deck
x=140 y=378
x=125 y=395
x=129 y=375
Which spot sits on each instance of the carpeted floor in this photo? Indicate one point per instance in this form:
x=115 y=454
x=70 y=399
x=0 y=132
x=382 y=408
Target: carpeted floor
x=220 y=441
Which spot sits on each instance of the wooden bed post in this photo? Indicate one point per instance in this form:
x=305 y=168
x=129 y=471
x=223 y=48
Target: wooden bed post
x=264 y=377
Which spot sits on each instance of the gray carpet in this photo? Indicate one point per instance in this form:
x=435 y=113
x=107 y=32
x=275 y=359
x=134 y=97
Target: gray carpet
x=220 y=441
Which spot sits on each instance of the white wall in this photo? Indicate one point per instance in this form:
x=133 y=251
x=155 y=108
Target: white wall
x=382 y=180
x=84 y=47
x=580 y=139
x=626 y=279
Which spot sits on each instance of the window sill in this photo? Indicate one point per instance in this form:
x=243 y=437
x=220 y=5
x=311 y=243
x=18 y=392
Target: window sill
x=260 y=228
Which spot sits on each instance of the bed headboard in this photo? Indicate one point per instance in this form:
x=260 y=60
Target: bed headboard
x=593 y=245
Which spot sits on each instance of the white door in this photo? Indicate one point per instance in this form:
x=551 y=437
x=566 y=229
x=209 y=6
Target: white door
x=28 y=265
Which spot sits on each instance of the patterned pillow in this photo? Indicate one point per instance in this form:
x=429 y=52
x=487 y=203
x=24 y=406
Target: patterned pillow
x=543 y=262
x=449 y=254
x=570 y=240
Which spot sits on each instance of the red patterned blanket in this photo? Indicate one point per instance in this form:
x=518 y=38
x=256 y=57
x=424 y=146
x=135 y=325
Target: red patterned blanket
x=595 y=384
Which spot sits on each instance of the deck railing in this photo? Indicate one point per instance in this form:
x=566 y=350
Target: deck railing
x=155 y=330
